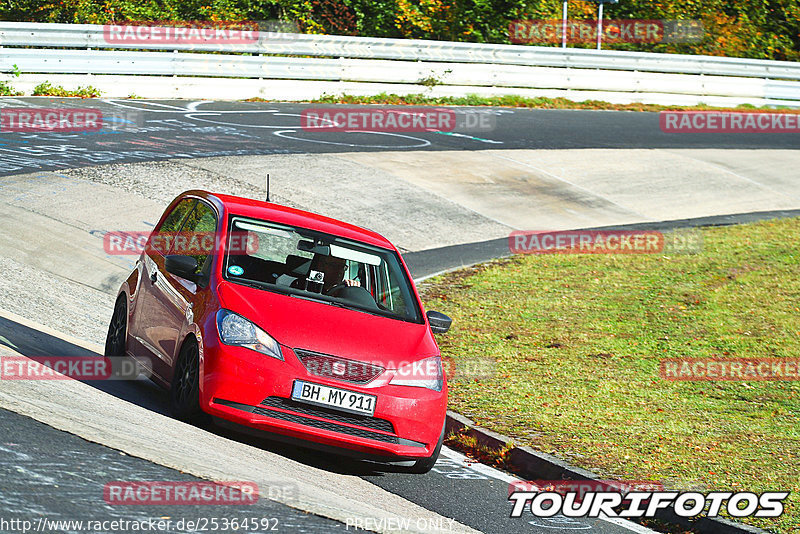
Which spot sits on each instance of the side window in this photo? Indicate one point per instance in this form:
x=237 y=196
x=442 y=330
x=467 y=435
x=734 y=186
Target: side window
x=175 y=218
x=202 y=220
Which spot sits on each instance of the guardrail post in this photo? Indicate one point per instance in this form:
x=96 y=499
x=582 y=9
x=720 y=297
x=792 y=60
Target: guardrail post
x=599 y=25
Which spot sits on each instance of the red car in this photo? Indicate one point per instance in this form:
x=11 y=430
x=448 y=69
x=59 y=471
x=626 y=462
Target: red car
x=288 y=322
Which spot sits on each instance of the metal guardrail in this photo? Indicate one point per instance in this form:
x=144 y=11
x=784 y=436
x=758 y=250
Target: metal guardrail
x=88 y=49
x=357 y=70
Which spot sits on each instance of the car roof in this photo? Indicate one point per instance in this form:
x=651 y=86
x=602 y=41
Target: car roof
x=259 y=209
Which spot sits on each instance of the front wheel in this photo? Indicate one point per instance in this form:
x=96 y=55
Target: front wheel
x=185 y=390
x=117 y=329
x=424 y=465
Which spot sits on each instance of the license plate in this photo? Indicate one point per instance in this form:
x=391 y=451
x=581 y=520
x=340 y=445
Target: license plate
x=341 y=399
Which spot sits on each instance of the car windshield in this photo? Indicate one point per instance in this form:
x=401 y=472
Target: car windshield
x=323 y=267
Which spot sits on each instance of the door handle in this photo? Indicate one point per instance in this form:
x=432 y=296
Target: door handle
x=153 y=276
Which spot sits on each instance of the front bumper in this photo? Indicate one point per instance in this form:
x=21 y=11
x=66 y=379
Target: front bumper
x=248 y=388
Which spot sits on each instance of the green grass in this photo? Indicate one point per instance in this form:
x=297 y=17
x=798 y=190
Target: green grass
x=7 y=90
x=578 y=339
x=47 y=89
x=515 y=102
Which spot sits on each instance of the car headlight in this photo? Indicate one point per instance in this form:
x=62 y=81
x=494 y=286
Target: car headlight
x=236 y=330
x=425 y=373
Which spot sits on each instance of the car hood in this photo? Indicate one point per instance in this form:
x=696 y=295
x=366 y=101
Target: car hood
x=319 y=327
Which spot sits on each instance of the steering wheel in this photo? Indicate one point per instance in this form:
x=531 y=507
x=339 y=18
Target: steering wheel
x=354 y=294
x=335 y=289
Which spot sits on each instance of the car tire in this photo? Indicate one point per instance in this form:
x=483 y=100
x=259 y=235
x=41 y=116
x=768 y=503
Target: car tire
x=116 y=339
x=424 y=465
x=184 y=393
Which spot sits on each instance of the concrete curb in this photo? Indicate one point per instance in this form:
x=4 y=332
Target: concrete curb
x=529 y=464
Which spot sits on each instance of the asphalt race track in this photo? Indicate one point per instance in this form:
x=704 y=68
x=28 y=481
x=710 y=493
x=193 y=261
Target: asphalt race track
x=59 y=476
x=150 y=130
x=58 y=469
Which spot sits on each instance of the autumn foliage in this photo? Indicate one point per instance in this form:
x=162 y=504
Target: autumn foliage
x=768 y=29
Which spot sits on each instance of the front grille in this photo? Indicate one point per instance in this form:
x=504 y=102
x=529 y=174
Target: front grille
x=338 y=368
x=365 y=421
x=265 y=410
x=325 y=425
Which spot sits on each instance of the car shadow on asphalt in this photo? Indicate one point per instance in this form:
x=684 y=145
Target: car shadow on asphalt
x=146 y=394
x=328 y=461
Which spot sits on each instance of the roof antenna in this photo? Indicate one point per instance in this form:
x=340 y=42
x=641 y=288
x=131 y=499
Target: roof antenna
x=267 y=187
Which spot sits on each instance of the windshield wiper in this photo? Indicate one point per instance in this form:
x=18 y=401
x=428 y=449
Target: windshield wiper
x=304 y=297
x=252 y=283
x=361 y=309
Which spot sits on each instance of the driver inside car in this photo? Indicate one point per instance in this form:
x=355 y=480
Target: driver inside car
x=334 y=271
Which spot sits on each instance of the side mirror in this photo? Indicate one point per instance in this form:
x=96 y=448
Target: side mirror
x=183 y=266
x=440 y=323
